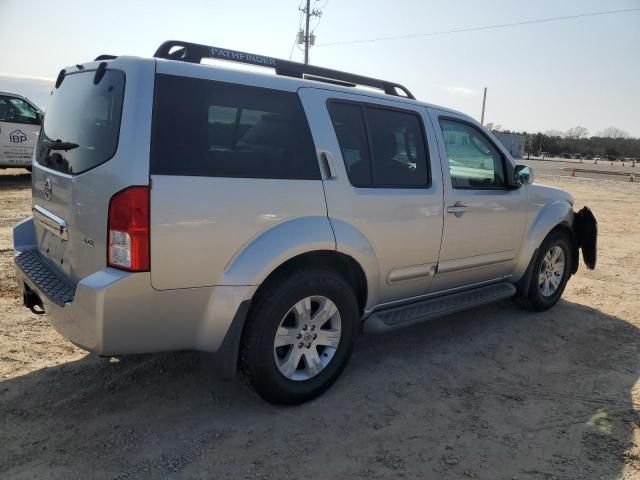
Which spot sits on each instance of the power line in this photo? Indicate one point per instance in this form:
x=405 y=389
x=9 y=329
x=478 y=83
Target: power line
x=295 y=42
x=473 y=29
x=321 y=10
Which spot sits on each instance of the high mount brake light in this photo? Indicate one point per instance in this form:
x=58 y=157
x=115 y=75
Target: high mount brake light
x=128 y=230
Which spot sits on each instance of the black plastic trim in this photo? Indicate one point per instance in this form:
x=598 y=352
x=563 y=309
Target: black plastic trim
x=102 y=69
x=60 y=78
x=431 y=308
x=585 y=229
x=226 y=357
x=105 y=57
x=48 y=281
x=522 y=286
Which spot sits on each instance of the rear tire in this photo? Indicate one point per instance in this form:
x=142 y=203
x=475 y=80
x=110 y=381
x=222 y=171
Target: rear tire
x=551 y=272
x=299 y=335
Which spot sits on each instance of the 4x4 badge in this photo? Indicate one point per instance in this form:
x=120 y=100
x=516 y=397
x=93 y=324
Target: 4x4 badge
x=48 y=189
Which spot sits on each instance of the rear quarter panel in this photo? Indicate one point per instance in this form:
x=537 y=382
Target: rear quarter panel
x=231 y=231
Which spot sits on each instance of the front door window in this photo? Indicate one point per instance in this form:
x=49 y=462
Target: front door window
x=474 y=163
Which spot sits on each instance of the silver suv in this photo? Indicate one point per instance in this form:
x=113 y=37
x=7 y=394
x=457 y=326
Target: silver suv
x=270 y=218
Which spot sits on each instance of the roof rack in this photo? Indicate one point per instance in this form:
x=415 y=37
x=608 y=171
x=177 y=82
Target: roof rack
x=194 y=53
x=105 y=57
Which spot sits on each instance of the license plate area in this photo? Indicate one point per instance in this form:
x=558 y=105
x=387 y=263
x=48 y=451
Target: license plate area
x=53 y=247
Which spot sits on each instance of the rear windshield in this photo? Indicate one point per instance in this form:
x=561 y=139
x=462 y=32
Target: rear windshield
x=82 y=122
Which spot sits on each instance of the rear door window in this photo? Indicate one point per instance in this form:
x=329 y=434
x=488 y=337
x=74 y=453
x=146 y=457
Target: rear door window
x=348 y=122
x=217 y=129
x=82 y=123
x=381 y=147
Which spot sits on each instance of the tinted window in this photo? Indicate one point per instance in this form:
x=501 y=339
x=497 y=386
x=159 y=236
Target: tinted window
x=348 y=123
x=16 y=110
x=209 y=128
x=380 y=147
x=83 y=114
x=473 y=160
x=397 y=147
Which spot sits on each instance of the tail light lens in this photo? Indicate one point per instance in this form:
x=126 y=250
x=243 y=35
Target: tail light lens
x=128 y=230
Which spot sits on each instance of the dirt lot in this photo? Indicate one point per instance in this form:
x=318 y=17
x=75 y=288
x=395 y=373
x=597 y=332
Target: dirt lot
x=495 y=393
x=603 y=170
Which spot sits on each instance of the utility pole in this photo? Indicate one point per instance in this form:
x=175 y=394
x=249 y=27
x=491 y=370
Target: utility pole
x=307 y=38
x=484 y=102
x=306 y=32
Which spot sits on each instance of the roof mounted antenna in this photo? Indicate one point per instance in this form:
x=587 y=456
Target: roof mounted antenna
x=194 y=53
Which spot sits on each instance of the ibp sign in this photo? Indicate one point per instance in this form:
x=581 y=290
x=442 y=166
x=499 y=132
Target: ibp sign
x=17 y=136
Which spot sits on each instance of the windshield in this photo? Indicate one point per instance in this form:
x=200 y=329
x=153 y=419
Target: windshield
x=82 y=122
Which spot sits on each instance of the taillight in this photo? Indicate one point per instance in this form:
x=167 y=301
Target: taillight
x=128 y=230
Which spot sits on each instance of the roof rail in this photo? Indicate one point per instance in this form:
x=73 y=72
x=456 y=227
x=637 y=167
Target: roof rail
x=194 y=53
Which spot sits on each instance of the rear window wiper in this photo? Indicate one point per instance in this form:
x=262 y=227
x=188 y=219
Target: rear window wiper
x=59 y=145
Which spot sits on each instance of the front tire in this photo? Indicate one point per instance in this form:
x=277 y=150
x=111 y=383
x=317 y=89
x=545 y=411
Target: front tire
x=551 y=272
x=299 y=335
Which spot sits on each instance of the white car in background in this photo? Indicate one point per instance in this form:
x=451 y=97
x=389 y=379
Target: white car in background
x=20 y=122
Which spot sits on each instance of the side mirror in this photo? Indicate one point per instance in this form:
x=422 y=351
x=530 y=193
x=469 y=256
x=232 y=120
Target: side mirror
x=39 y=118
x=523 y=175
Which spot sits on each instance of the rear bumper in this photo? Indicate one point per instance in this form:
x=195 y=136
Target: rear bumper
x=112 y=312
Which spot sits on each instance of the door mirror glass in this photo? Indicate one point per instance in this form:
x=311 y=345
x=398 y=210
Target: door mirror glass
x=523 y=175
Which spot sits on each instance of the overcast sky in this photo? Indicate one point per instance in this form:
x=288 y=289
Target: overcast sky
x=541 y=76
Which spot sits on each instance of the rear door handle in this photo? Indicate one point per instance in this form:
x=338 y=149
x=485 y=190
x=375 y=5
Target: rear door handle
x=458 y=209
x=327 y=164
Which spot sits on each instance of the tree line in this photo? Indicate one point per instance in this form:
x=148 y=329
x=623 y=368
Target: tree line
x=611 y=143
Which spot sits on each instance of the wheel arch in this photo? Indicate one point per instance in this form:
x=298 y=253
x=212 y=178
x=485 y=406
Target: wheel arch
x=307 y=241
x=351 y=242
x=270 y=249
x=575 y=251
x=348 y=267
x=554 y=215
x=339 y=262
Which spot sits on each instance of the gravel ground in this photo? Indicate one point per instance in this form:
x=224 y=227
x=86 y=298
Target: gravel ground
x=494 y=393
x=603 y=170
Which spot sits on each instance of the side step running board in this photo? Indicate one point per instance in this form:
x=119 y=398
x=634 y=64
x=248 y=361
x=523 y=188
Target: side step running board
x=406 y=315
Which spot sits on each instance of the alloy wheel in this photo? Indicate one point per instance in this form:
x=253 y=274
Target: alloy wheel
x=551 y=271
x=307 y=338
